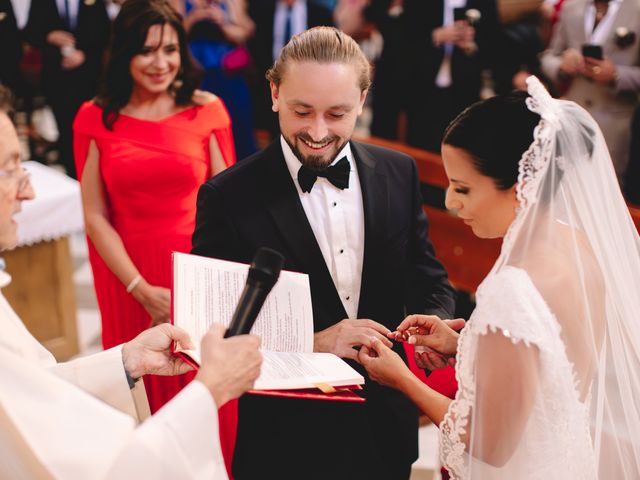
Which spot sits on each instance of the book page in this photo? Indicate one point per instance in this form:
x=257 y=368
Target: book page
x=288 y=370
x=207 y=290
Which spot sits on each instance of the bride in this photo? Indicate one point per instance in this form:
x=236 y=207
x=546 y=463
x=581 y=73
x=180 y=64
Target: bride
x=548 y=366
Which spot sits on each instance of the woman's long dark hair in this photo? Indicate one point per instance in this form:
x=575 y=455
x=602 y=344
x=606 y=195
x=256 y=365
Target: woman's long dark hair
x=128 y=35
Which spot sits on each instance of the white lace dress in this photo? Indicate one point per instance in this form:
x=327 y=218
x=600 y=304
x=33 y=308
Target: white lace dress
x=556 y=443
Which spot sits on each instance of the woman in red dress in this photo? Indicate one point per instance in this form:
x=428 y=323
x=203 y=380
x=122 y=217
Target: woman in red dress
x=142 y=150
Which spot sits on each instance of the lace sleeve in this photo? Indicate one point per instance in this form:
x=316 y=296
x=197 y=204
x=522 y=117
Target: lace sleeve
x=509 y=301
x=491 y=369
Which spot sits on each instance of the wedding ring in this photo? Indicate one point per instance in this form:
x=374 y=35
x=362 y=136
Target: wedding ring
x=596 y=70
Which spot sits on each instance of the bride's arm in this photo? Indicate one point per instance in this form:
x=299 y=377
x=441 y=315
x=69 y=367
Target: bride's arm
x=506 y=382
x=386 y=367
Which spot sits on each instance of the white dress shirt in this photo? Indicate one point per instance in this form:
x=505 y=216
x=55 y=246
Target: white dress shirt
x=443 y=79
x=598 y=35
x=298 y=23
x=337 y=220
x=75 y=420
x=73 y=11
x=21 y=12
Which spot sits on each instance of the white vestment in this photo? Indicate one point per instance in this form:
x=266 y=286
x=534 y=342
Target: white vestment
x=76 y=420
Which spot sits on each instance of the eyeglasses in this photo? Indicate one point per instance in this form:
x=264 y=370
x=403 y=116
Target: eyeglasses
x=21 y=175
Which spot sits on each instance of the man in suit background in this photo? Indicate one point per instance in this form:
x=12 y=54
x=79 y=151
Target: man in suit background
x=350 y=216
x=276 y=22
x=431 y=64
x=632 y=175
x=607 y=88
x=446 y=74
x=14 y=15
x=73 y=35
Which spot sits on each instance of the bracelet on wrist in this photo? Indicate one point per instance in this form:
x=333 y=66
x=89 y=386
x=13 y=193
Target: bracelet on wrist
x=134 y=283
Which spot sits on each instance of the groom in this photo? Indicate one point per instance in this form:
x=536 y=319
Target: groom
x=349 y=215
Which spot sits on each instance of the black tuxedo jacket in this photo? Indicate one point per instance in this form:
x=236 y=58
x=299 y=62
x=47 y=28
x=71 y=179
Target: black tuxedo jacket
x=92 y=34
x=11 y=39
x=255 y=203
x=425 y=16
x=262 y=13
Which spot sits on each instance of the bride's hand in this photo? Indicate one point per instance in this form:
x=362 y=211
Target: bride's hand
x=436 y=340
x=383 y=364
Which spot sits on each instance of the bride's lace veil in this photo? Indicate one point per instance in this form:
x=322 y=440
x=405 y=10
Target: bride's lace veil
x=574 y=239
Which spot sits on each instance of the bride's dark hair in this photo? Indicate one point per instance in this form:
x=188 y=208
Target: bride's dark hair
x=495 y=132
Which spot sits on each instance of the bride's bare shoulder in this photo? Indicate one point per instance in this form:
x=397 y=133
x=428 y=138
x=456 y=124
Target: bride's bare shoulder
x=201 y=97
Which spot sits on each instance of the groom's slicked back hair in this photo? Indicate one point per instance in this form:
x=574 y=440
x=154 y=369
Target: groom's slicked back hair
x=322 y=45
x=495 y=132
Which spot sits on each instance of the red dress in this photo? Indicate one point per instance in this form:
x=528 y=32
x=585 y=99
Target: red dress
x=151 y=172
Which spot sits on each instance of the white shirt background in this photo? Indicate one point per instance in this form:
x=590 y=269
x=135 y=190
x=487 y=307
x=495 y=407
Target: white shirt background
x=337 y=220
x=73 y=11
x=598 y=35
x=21 y=12
x=298 y=23
x=443 y=79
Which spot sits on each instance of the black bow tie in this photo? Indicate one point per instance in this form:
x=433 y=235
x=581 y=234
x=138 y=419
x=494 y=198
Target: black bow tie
x=337 y=174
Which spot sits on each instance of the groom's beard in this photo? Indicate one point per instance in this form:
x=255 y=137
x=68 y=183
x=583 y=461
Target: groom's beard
x=317 y=163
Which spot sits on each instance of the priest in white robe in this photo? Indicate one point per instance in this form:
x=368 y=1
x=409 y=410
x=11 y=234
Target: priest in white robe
x=78 y=420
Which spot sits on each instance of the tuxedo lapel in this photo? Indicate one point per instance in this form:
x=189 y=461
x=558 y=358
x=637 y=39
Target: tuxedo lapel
x=284 y=207
x=375 y=203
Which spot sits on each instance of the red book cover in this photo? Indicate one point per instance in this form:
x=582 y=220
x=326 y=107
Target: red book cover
x=342 y=394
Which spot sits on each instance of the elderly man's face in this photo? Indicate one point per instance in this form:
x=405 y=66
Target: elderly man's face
x=11 y=174
x=318 y=105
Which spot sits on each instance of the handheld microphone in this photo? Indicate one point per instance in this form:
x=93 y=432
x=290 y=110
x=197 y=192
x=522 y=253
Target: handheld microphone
x=263 y=275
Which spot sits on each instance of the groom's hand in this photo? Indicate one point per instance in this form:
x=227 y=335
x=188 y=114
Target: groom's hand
x=343 y=338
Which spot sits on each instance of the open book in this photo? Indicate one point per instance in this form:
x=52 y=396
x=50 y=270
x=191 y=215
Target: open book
x=206 y=291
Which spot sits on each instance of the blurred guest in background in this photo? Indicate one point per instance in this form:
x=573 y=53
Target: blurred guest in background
x=14 y=15
x=440 y=49
x=392 y=69
x=447 y=76
x=142 y=149
x=276 y=22
x=605 y=81
x=632 y=175
x=113 y=7
x=218 y=30
x=330 y=4
x=73 y=35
